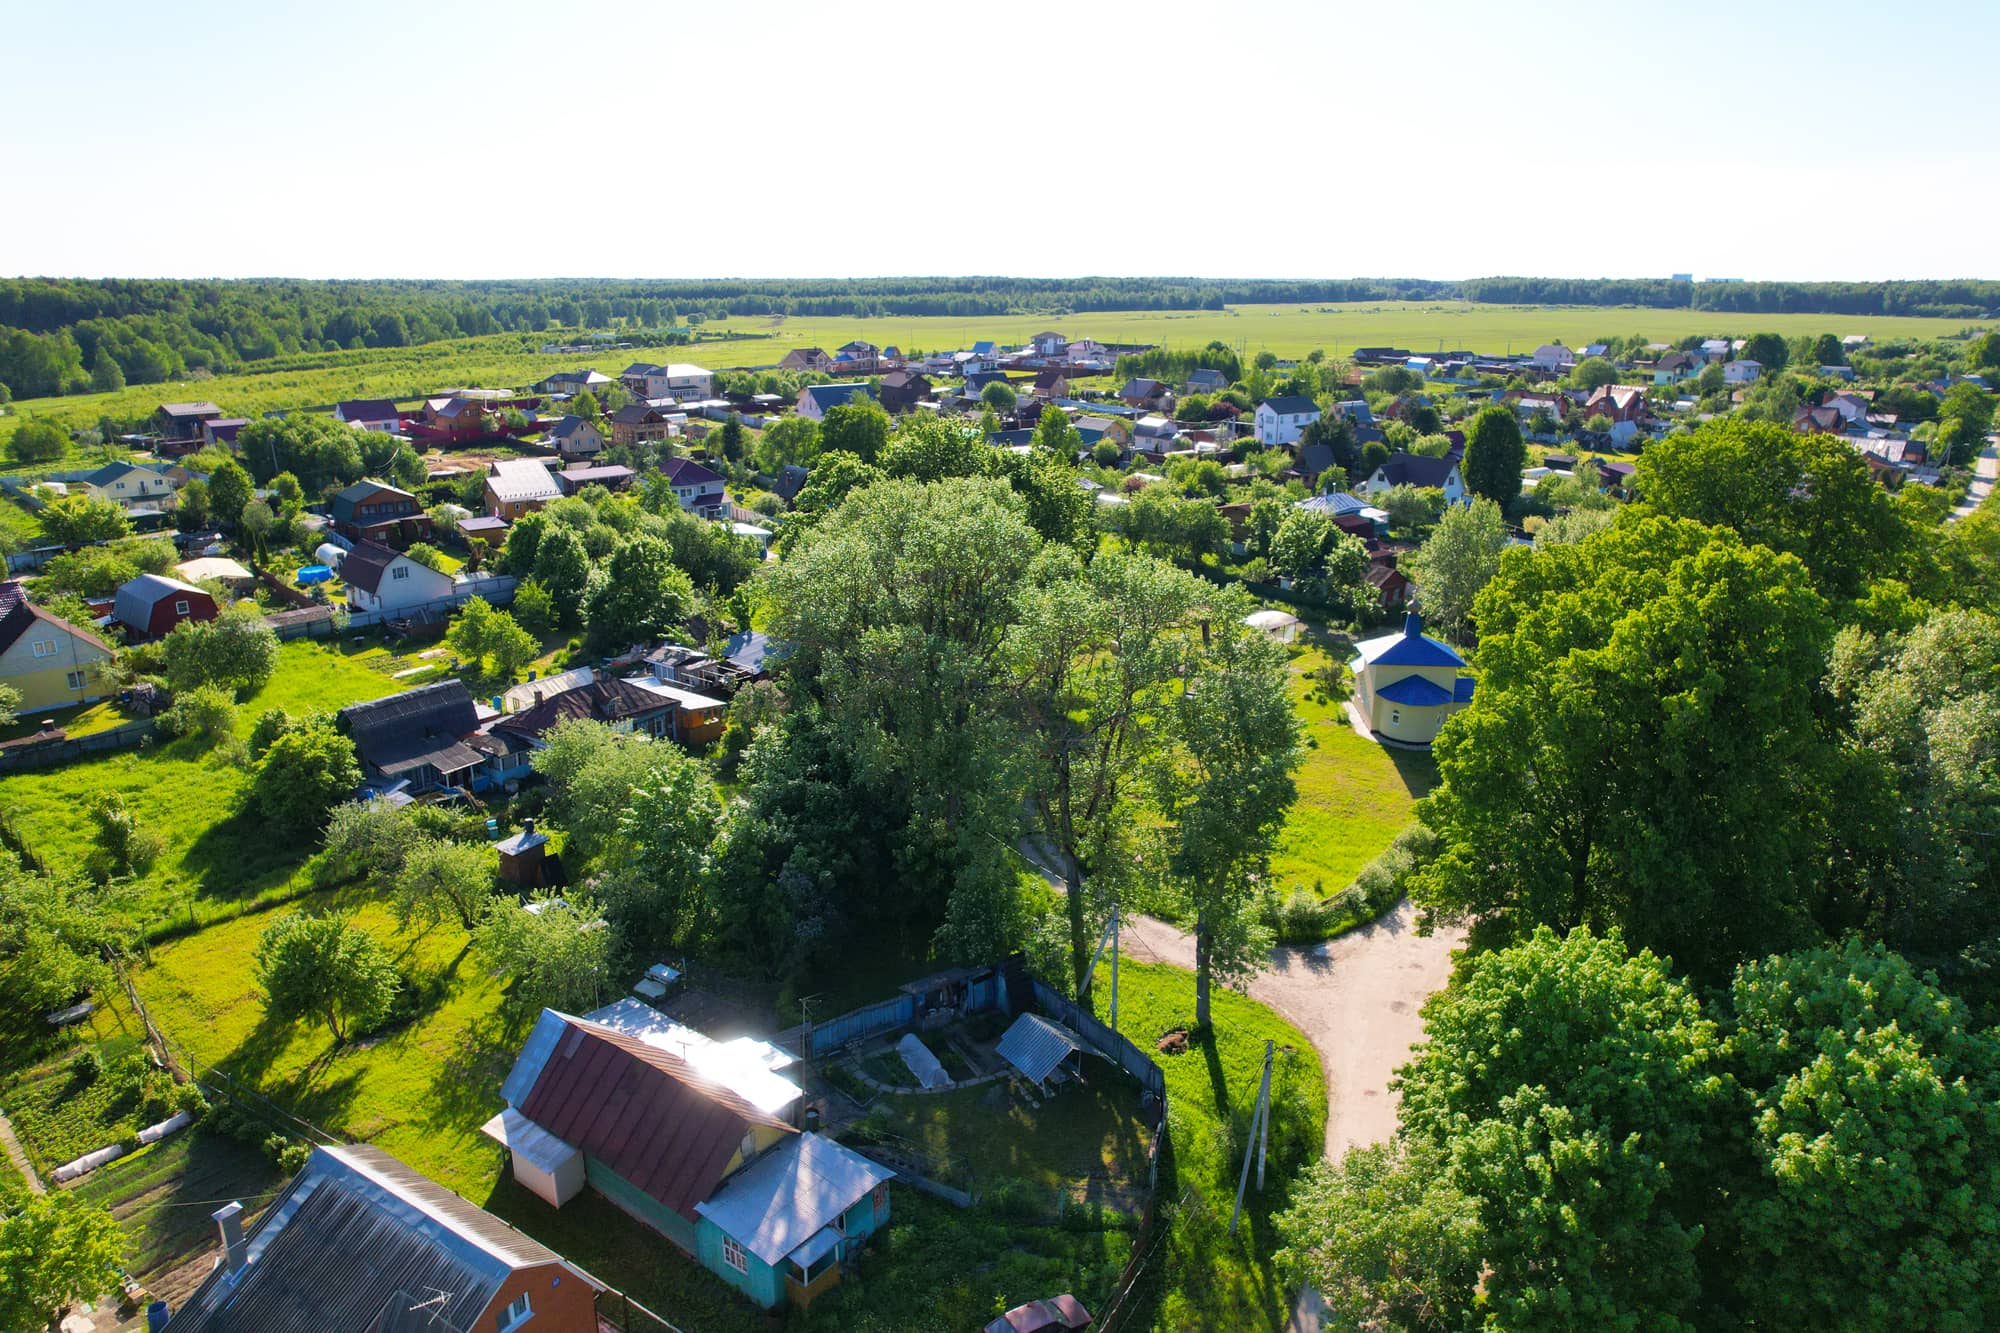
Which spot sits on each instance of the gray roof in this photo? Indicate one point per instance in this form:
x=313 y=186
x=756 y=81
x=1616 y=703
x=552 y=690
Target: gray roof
x=354 y=1242
x=427 y=725
x=136 y=598
x=778 y=1203
x=1291 y=405
x=1036 y=1045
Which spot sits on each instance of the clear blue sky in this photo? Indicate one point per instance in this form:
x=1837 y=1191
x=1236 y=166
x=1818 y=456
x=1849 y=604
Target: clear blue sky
x=507 y=139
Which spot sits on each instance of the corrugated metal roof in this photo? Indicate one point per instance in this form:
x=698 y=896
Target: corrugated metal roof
x=355 y=1235
x=645 y=1113
x=1036 y=1045
x=780 y=1201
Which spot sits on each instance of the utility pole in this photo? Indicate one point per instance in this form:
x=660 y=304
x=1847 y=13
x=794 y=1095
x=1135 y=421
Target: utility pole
x=1259 y=1128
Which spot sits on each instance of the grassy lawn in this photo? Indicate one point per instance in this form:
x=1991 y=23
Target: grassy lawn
x=1202 y=1277
x=216 y=860
x=1354 y=795
x=164 y=1196
x=18 y=527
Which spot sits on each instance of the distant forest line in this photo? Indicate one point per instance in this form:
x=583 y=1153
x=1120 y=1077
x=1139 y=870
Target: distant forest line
x=69 y=335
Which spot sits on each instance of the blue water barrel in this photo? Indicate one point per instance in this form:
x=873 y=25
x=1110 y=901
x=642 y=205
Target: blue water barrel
x=156 y=1317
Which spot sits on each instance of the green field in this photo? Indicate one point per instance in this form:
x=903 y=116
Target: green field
x=217 y=861
x=407 y=373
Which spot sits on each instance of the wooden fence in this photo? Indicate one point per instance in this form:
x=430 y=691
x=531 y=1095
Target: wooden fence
x=54 y=754
x=1108 y=1043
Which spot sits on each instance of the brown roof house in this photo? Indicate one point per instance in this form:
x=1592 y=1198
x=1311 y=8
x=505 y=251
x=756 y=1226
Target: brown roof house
x=375 y=511
x=902 y=390
x=360 y=1241
x=807 y=358
x=693 y=1137
x=381 y=580
x=50 y=661
x=517 y=486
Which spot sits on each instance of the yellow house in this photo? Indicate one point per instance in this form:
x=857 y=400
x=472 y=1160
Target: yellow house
x=47 y=660
x=1407 y=684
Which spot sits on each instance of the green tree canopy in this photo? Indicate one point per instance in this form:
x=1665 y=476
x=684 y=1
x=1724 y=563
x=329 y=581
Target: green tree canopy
x=1457 y=561
x=859 y=427
x=305 y=773
x=326 y=968
x=78 y=520
x=56 y=1249
x=638 y=596
x=1809 y=495
x=1652 y=680
x=1494 y=455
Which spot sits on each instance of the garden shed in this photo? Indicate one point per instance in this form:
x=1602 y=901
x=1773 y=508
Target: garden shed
x=1041 y=1049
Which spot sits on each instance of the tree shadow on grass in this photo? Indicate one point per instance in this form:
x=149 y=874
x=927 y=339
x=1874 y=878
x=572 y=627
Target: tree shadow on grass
x=245 y=856
x=1416 y=768
x=465 y=1092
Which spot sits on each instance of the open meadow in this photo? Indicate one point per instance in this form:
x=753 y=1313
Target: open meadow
x=407 y=373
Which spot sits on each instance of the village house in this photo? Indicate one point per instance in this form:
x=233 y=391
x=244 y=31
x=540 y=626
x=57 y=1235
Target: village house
x=456 y=419
x=1049 y=344
x=222 y=430
x=902 y=390
x=678 y=381
x=624 y=707
x=857 y=358
x=517 y=486
x=375 y=511
x=385 y=580
x=1087 y=350
x=574 y=382
x=1147 y=395
x=180 y=423
x=419 y=737
x=816 y=400
x=1050 y=384
x=51 y=662
x=150 y=605
x=129 y=485
x=1419 y=471
x=807 y=358
x=1282 y=420
x=1622 y=404
x=638 y=423
x=1407 y=684
x=1203 y=380
x=698 y=488
x=1673 y=368
x=369 y=414
x=1553 y=359
x=575 y=438
x=358 y=1240
x=695 y=1138
x=1741 y=371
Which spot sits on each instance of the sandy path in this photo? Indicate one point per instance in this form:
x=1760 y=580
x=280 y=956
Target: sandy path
x=1985 y=469
x=1356 y=998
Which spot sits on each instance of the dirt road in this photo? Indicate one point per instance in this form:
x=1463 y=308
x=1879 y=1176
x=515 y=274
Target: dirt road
x=1985 y=469
x=1356 y=999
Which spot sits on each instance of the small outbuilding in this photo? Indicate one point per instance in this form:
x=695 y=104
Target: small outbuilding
x=547 y=1167
x=1279 y=626
x=150 y=605
x=1041 y=1049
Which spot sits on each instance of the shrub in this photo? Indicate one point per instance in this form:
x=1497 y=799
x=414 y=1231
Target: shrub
x=87 y=1065
x=1300 y=917
x=206 y=711
x=271 y=724
x=1384 y=881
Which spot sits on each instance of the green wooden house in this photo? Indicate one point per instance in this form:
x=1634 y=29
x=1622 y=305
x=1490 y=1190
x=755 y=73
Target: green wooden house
x=696 y=1139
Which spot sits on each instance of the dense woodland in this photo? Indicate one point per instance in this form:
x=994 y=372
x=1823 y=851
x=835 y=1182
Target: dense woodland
x=72 y=335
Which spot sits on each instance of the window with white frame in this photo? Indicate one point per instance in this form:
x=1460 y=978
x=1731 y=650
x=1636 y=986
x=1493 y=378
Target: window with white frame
x=74 y=680
x=181 y=607
x=733 y=1255
x=400 y=572
x=45 y=647
x=517 y=1313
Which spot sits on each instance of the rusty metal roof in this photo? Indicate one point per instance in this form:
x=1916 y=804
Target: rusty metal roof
x=643 y=1112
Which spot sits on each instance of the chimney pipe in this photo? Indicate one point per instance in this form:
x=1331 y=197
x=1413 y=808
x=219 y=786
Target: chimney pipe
x=527 y=828
x=229 y=1221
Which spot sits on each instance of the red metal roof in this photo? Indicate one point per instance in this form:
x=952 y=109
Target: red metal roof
x=641 y=1111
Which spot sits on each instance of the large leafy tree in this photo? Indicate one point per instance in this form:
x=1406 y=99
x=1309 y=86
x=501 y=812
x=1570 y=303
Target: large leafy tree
x=562 y=566
x=442 y=880
x=1495 y=453
x=236 y=651
x=558 y=956
x=1093 y=654
x=303 y=776
x=491 y=640
x=229 y=490
x=1874 y=1198
x=664 y=853
x=1459 y=558
x=638 y=596
x=1224 y=777
x=1806 y=494
x=55 y=1250
x=860 y=428
x=78 y=520
x=1644 y=750
x=1923 y=722
x=896 y=608
x=328 y=968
